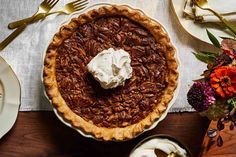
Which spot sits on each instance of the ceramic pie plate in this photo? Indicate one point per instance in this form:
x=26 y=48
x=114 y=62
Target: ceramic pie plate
x=10 y=94
x=60 y=117
x=196 y=30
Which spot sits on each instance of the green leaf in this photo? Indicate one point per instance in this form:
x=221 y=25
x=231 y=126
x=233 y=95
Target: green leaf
x=215 y=112
x=232 y=111
x=215 y=54
x=201 y=57
x=204 y=57
x=213 y=39
x=228 y=38
x=232 y=101
x=206 y=74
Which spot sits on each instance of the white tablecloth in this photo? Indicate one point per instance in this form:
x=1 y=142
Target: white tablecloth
x=25 y=53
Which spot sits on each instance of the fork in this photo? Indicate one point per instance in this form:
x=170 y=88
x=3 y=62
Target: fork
x=44 y=7
x=203 y=4
x=69 y=8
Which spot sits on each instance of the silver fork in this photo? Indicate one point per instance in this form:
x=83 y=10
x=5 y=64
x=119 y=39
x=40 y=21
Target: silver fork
x=44 y=7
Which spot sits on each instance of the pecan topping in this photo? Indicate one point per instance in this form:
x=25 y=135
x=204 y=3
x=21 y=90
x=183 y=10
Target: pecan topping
x=121 y=106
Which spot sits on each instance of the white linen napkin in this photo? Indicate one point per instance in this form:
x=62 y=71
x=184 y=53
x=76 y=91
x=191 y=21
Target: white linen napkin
x=227 y=8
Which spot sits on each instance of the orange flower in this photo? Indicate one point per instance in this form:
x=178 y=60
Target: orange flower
x=223 y=80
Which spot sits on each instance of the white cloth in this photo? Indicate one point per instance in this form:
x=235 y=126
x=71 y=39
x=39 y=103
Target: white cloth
x=25 y=53
x=220 y=6
x=225 y=8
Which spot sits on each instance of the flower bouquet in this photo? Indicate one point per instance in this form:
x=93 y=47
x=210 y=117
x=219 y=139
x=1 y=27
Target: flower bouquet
x=214 y=94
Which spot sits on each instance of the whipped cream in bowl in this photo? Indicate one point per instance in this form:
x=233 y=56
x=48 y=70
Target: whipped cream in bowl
x=159 y=146
x=111 y=68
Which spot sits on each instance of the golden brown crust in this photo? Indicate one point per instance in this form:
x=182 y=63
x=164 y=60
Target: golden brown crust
x=51 y=87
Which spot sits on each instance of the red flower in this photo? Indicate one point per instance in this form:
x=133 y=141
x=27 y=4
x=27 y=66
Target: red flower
x=223 y=80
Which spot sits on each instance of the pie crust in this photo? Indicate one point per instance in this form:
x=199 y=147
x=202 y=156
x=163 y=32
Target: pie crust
x=51 y=86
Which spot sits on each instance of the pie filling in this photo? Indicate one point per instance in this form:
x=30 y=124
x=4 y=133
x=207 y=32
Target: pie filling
x=124 y=105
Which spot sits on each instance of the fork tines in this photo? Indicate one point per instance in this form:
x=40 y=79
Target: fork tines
x=80 y=3
x=52 y=3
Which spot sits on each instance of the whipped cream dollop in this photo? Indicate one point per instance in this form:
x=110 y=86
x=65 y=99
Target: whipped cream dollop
x=147 y=149
x=111 y=68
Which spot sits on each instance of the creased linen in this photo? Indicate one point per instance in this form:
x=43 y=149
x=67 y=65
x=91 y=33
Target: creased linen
x=25 y=53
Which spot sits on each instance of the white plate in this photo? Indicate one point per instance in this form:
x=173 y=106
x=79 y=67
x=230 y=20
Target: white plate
x=196 y=30
x=60 y=117
x=10 y=95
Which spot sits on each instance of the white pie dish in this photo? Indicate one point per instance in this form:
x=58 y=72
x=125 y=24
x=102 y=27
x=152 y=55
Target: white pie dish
x=91 y=136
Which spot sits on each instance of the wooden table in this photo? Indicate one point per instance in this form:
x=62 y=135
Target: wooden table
x=41 y=134
x=210 y=148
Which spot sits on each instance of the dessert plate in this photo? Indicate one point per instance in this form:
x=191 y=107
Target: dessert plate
x=10 y=94
x=194 y=29
x=60 y=117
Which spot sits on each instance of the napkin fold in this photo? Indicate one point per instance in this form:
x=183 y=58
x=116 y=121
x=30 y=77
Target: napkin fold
x=226 y=8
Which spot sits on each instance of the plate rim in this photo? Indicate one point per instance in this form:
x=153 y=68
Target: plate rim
x=17 y=100
x=180 y=22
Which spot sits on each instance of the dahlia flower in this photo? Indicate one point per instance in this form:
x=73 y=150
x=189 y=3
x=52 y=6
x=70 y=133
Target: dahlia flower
x=201 y=96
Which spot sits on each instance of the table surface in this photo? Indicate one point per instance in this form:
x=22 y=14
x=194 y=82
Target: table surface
x=42 y=134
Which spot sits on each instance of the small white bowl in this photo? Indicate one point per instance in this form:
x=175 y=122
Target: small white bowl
x=163 y=136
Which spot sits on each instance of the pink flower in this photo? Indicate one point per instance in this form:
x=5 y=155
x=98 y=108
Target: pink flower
x=229 y=47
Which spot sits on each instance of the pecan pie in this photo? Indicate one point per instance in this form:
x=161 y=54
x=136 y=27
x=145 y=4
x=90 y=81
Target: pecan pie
x=123 y=112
